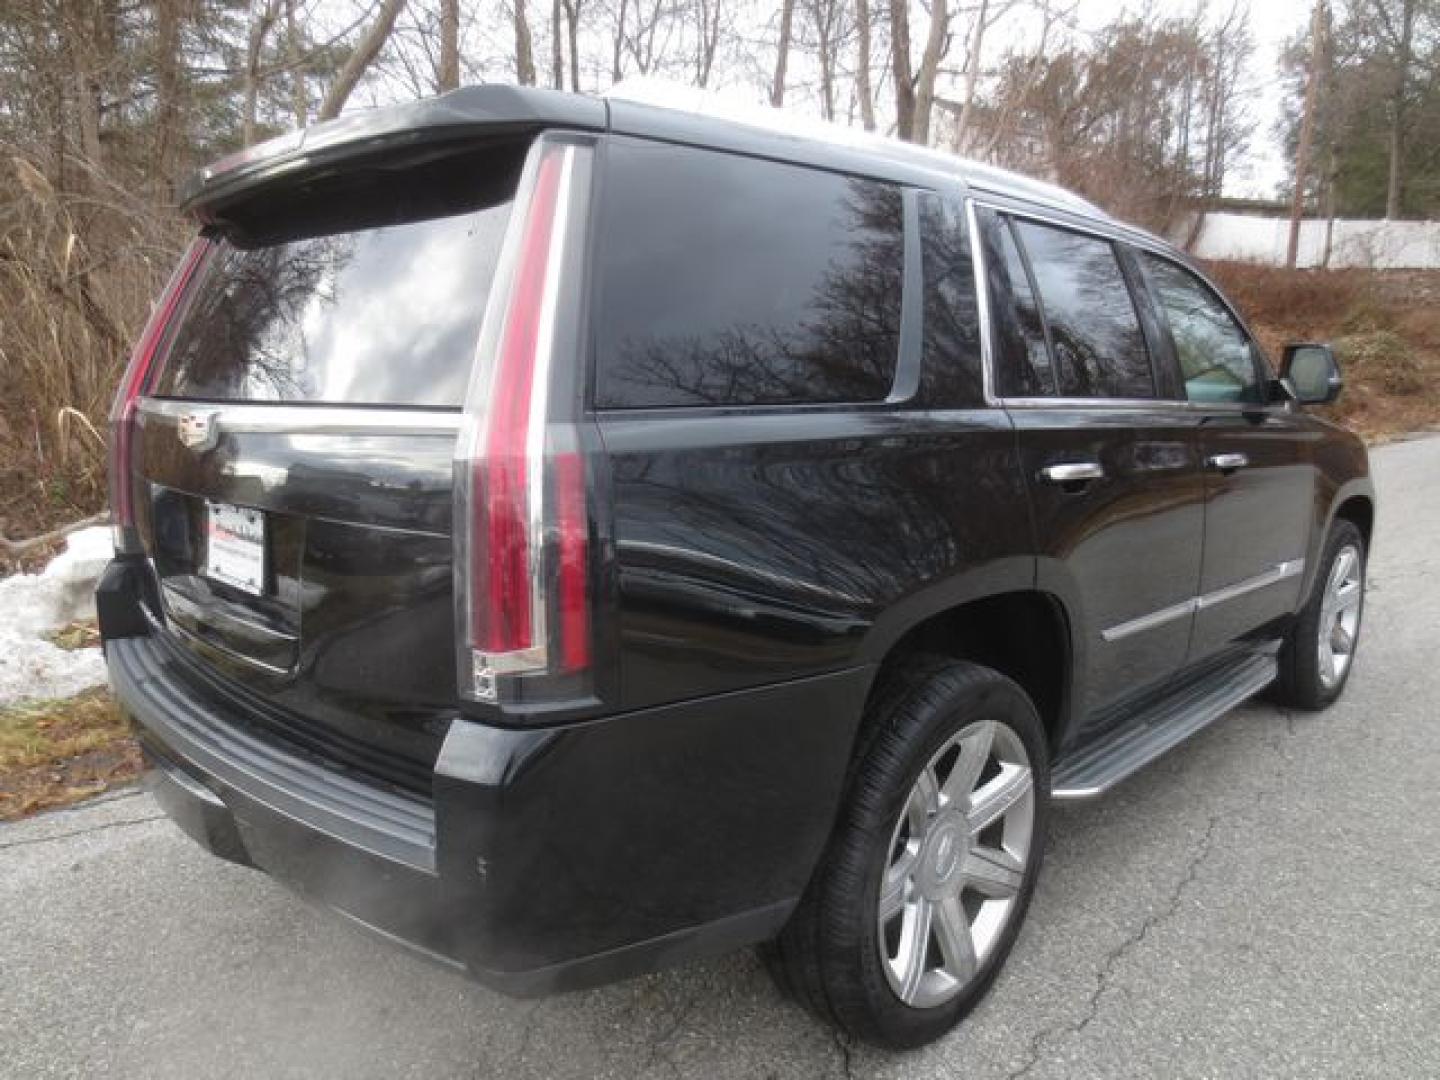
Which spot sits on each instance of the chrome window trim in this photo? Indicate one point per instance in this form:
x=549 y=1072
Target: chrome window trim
x=252 y=418
x=1273 y=576
x=982 y=294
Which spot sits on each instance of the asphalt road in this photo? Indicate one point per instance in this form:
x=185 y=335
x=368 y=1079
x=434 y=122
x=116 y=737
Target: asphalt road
x=1265 y=901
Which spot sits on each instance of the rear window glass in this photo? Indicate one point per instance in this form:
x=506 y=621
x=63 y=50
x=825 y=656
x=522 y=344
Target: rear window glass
x=387 y=316
x=730 y=281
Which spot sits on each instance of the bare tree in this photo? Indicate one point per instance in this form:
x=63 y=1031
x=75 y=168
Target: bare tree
x=900 y=64
x=572 y=35
x=524 y=51
x=937 y=44
x=557 y=47
x=299 y=98
x=972 y=73
x=707 y=40
x=1307 y=130
x=828 y=18
x=782 y=53
x=449 y=75
x=862 y=65
x=262 y=19
x=360 y=58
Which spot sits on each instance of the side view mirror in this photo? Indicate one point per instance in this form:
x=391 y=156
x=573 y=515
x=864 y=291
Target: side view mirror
x=1312 y=372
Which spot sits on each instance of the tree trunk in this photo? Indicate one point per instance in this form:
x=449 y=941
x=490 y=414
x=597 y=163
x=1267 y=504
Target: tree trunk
x=900 y=63
x=1394 y=183
x=572 y=34
x=862 y=65
x=524 y=54
x=254 y=45
x=360 y=58
x=936 y=44
x=1307 y=132
x=167 y=85
x=782 y=55
x=449 y=45
x=299 y=97
x=557 y=48
x=972 y=73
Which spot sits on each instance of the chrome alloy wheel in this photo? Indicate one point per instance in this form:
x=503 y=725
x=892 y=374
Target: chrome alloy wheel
x=958 y=856
x=1340 y=615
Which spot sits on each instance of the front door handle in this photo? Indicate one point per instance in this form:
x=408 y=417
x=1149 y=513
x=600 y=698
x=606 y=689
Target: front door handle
x=1227 y=462
x=1072 y=472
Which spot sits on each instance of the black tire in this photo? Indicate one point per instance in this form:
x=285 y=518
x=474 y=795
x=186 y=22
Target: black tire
x=1299 y=683
x=828 y=956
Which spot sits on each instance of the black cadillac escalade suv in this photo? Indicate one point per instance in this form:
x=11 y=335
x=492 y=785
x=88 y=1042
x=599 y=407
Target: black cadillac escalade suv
x=570 y=536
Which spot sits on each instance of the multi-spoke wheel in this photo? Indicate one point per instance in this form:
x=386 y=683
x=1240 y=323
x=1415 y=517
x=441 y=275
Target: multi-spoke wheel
x=1320 y=649
x=931 y=868
x=958 y=858
x=1340 y=615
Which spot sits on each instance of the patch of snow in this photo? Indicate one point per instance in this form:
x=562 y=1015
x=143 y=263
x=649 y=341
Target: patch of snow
x=33 y=606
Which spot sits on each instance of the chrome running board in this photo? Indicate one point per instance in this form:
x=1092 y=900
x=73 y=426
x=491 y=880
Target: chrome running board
x=1193 y=706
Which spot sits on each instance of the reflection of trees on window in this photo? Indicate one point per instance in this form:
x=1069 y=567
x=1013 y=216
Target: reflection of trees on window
x=952 y=364
x=773 y=285
x=245 y=336
x=1099 y=350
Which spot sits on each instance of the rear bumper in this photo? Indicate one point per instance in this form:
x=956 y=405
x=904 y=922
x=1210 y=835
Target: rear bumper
x=545 y=859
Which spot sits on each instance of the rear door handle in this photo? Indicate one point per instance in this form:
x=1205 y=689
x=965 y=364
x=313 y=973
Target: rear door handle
x=1072 y=472
x=1227 y=462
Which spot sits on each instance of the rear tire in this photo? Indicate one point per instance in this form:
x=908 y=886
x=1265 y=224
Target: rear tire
x=941 y=836
x=1318 y=654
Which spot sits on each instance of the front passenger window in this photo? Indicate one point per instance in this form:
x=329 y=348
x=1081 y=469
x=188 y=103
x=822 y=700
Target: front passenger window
x=1217 y=360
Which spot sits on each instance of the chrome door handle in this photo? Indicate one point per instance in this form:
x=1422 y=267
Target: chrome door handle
x=1227 y=462
x=1072 y=472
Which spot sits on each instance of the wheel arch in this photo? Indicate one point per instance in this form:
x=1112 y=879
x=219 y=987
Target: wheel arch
x=1024 y=633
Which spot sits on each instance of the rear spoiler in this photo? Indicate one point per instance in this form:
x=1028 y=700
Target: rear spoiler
x=451 y=118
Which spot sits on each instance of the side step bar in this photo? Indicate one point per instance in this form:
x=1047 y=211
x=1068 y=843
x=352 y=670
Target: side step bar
x=1096 y=768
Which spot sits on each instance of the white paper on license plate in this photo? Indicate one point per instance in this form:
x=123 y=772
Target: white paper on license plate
x=235 y=552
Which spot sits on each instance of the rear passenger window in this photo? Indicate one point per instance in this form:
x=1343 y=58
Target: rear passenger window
x=1097 y=346
x=726 y=280
x=1027 y=356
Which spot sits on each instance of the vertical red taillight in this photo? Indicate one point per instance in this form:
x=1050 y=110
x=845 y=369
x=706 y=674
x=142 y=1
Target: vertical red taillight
x=133 y=384
x=521 y=523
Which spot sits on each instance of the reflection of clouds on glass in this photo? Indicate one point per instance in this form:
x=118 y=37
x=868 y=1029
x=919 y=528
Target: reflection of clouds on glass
x=385 y=316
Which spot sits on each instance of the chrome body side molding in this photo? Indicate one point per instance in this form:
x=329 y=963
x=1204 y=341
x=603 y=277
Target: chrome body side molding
x=1273 y=576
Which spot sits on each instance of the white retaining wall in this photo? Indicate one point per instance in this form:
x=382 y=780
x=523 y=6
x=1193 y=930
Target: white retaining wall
x=1379 y=245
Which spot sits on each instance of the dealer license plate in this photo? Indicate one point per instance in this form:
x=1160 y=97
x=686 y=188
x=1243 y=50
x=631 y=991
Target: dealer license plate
x=235 y=551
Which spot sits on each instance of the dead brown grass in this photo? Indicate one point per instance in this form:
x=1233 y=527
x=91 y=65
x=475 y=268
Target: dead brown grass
x=78 y=272
x=53 y=753
x=1385 y=326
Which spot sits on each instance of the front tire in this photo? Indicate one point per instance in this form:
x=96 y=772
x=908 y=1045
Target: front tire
x=931 y=868
x=1318 y=654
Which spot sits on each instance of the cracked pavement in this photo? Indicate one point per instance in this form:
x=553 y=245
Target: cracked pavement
x=1264 y=901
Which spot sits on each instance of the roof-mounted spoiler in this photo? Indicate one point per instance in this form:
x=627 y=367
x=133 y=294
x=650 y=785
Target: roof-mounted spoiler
x=471 y=111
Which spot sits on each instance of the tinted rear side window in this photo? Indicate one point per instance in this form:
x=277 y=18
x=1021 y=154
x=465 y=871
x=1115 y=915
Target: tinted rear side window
x=952 y=362
x=387 y=315
x=1097 y=346
x=726 y=280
